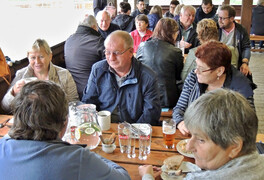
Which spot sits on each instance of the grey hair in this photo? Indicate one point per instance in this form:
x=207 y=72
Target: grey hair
x=89 y=21
x=127 y=38
x=260 y=2
x=40 y=111
x=225 y=116
x=100 y=13
x=187 y=7
x=41 y=43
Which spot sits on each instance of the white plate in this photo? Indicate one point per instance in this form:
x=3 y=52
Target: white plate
x=185 y=167
x=181 y=151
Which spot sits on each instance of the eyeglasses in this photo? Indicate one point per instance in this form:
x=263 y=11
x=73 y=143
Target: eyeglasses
x=201 y=71
x=223 y=18
x=116 y=53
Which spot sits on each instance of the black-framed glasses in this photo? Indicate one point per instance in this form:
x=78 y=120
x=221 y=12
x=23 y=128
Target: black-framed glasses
x=116 y=53
x=206 y=70
x=223 y=18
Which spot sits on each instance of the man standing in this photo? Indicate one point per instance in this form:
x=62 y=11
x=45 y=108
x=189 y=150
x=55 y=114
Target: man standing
x=206 y=10
x=173 y=5
x=141 y=9
x=187 y=32
x=104 y=22
x=122 y=85
x=233 y=34
x=82 y=50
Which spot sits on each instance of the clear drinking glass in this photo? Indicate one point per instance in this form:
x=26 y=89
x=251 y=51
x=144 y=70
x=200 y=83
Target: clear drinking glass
x=178 y=45
x=168 y=130
x=124 y=136
x=144 y=141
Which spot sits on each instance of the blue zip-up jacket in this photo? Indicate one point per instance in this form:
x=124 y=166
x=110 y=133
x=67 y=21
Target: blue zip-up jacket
x=137 y=99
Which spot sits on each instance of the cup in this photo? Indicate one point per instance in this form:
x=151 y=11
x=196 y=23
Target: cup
x=132 y=148
x=104 y=120
x=73 y=122
x=124 y=136
x=108 y=148
x=168 y=131
x=144 y=141
x=178 y=45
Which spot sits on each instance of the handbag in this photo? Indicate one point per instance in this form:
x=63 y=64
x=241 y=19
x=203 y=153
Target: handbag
x=4 y=69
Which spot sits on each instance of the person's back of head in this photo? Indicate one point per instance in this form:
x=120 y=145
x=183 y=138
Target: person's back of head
x=156 y=10
x=89 y=21
x=226 y=117
x=230 y=9
x=165 y=30
x=40 y=112
x=125 y=7
x=207 y=30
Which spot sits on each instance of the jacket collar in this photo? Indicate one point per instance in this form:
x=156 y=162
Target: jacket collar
x=87 y=30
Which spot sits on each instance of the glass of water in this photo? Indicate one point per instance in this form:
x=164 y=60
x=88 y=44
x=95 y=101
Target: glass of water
x=144 y=141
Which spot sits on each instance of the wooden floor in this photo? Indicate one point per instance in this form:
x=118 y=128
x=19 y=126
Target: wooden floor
x=257 y=67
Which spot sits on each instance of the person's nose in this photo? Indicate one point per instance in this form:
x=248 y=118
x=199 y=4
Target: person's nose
x=38 y=60
x=190 y=145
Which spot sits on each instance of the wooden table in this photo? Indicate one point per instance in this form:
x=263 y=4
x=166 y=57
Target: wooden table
x=156 y=157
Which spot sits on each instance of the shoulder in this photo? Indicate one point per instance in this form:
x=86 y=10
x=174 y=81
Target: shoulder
x=144 y=70
x=114 y=26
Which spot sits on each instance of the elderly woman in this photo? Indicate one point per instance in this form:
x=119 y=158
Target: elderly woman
x=161 y=55
x=154 y=16
x=213 y=71
x=223 y=128
x=142 y=33
x=206 y=30
x=41 y=67
x=34 y=149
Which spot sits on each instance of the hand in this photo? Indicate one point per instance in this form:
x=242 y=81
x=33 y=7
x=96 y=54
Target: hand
x=18 y=86
x=149 y=169
x=183 y=129
x=184 y=44
x=244 y=69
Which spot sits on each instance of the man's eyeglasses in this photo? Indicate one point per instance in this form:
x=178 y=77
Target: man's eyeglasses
x=116 y=53
x=201 y=71
x=223 y=18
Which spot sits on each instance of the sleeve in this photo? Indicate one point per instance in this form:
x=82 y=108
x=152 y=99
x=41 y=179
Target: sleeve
x=96 y=6
x=148 y=177
x=183 y=102
x=139 y=55
x=189 y=64
x=245 y=44
x=90 y=94
x=179 y=65
x=70 y=88
x=93 y=166
x=151 y=109
x=8 y=98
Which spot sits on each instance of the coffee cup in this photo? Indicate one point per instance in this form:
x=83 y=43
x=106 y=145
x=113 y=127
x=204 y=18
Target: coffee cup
x=104 y=120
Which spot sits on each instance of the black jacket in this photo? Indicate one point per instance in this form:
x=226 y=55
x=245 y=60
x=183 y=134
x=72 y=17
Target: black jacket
x=125 y=22
x=241 y=41
x=257 y=26
x=82 y=49
x=112 y=28
x=201 y=15
x=99 y=5
x=167 y=61
x=192 y=38
x=137 y=12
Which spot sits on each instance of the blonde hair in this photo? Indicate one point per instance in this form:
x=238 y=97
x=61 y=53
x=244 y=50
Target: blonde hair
x=207 y=30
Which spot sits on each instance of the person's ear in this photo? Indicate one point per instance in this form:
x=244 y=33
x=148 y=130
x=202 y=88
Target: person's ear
x=236 y=148
x=220 y=71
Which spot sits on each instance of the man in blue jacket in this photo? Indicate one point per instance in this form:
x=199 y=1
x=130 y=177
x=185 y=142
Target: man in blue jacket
x=122 y=85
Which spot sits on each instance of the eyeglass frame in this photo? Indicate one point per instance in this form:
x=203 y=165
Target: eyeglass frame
x=116 y=53
x=200 y=71
x=223 y=18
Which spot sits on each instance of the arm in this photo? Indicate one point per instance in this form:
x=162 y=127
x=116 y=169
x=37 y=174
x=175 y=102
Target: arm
x=151 y=102
x=189 y=64
x=70 y=88
x=93 y=166
x=245 y=52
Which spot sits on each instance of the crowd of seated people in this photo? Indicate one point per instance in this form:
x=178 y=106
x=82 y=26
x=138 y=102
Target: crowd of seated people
x=122 y=66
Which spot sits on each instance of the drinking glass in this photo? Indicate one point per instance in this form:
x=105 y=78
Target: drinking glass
x=144 y=141
x=178 y=45
x=124 y=136
x=168 y=131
